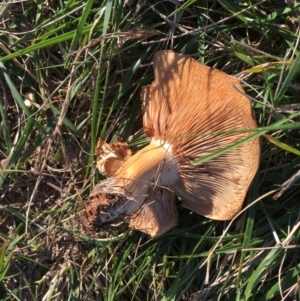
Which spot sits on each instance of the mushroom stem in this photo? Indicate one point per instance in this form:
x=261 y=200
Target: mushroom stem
x=127 y=190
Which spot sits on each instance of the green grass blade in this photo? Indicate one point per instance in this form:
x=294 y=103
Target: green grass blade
x=47 y=43
x=267 y=263
x=80 y=28
x=258 y=132
x=293 y=71
x=5 y=128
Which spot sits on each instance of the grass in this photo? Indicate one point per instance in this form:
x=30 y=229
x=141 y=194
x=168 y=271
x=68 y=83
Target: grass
x=81 y=66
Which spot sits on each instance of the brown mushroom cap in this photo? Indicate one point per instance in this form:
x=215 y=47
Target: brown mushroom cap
x=186 y=106
x=190 y=111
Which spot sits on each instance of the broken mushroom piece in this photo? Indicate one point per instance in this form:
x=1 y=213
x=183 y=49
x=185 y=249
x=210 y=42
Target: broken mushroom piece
x=110 y=157
x=190 y=111
x=156 y=216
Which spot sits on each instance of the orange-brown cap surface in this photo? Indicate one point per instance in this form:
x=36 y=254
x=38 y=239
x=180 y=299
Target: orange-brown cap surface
x=198 y=110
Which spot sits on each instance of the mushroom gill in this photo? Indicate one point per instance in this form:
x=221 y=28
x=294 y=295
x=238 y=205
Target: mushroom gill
x=190 y=111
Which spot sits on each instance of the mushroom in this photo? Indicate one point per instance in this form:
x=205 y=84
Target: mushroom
x=190 y=111
x=110 y=157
